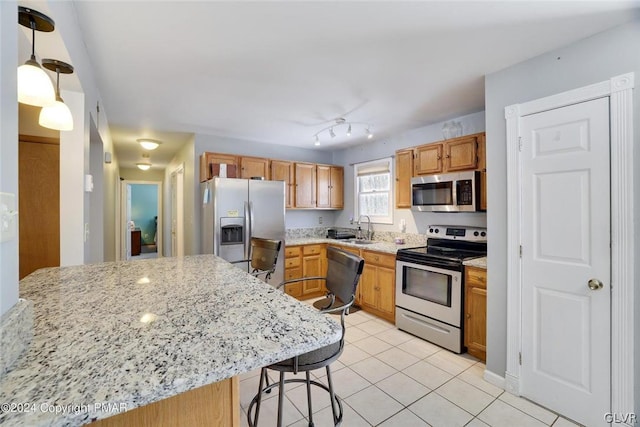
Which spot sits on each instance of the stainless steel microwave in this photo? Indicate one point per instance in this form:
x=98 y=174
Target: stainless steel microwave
x=453 y=192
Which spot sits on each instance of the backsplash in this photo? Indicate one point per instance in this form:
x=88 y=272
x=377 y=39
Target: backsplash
x=382 y=236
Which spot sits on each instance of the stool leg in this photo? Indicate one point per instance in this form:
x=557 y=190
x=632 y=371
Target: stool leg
x=309 y=400
x=332 y=395
x=263 y=375
x=280 y=399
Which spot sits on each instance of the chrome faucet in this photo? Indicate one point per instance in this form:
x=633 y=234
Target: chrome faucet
x=368 y=225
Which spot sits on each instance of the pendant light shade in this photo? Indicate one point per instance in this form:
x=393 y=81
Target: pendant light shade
x=57 y=116
x=34 y=85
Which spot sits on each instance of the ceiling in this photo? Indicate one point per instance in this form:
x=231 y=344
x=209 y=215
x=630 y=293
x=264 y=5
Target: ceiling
x=279 y=72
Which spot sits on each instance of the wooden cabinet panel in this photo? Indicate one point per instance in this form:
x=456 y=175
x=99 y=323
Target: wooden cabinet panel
x=404 y=172
x=355 y=251
x=311 y=266
x=475 y=306
x=254 y=166
x=312 y=249
x=292 y=262
x=208 y=158
x=305 y=185
x=377 y=284
x=291 y=251
x=428 y=159
x=330 y=183
x=283 y=171
x=460 y=154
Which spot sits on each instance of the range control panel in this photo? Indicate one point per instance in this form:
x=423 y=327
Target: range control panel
x=472 y=234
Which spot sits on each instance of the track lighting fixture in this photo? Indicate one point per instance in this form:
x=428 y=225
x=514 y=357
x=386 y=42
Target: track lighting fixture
x=340 y=122
x=56 y=116
x=34 y=85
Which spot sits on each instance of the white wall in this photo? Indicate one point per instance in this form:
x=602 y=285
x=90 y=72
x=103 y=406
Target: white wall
x=416 y=222
x=8 y=145
x=588 y=61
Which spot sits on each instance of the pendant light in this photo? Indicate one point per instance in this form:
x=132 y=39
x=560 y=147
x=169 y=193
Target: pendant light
x=34 y=85
x=57 y=116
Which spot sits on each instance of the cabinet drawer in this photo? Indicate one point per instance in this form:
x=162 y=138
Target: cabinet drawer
x=476 y=276
x=292 y=262
x=312 y=249
x=291 y=251
x=348 y=249
x=294 y=289
x=292 y=273
x=379 y=258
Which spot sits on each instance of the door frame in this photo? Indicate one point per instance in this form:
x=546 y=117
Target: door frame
x=620 y=91
x=176 y=208
x=123 y=216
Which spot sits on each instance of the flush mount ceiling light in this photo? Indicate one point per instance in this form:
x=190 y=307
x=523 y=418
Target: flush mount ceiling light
x=143 y=166
x=57 y=116
x=341 y=123
x=148 y=144
x=34 y=85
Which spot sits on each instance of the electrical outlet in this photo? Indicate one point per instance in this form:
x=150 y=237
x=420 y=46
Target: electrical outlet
x=8 y=216
x=319 y=220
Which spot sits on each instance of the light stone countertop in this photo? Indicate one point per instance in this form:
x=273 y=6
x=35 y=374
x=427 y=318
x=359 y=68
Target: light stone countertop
x=205 y=321
x=477 y=262
x=388 y=247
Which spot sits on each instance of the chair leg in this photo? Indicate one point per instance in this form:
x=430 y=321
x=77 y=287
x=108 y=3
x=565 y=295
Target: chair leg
x=332 y=396
x=309 y=399
x=263 y=375
x=280 y=399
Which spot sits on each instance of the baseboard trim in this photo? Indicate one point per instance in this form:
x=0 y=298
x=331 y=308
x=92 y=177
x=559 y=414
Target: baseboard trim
x=494 y=379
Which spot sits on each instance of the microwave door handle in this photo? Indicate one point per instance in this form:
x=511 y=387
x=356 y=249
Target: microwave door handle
x=454 y=189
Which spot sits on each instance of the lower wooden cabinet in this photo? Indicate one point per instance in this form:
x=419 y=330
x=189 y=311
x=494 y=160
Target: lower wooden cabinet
x=475 y=309
x=305 y=261
x=378 y=284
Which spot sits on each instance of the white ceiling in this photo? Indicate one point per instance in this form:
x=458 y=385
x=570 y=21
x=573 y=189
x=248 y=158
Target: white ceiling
x=279 y=72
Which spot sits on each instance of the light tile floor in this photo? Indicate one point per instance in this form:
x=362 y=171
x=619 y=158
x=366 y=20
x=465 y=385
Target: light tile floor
x=390 y=378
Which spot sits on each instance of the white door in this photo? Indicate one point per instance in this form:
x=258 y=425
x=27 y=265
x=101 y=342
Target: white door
x=127 y=233
x=177 y=206
x=565 y=253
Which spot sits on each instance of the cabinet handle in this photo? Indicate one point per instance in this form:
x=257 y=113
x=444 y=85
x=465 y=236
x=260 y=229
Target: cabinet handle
x=439 y=157
x=468 y=316
x=447 y=156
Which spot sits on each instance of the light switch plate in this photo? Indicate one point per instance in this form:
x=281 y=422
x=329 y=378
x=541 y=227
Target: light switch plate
x=8 y=217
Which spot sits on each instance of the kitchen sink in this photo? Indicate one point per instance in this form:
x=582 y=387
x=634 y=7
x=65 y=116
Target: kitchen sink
x=360 y=241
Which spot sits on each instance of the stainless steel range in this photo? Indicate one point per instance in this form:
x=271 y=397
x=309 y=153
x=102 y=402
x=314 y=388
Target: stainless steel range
x=430 y=284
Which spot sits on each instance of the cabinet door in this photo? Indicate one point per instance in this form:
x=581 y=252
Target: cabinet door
x=404 y=173
x=428 y=159
x=254 y=166
x=387 y=290
x=460 y=154
x=368 y=294
x=336 y=187
x=323 y=186
x=305 y=184
x=283 y=171
x=209 y=158
x=312 y=266
x=293 y=289
x=475 y=321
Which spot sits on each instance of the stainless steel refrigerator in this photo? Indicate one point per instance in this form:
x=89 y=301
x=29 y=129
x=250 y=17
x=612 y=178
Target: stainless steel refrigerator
x=234 y=210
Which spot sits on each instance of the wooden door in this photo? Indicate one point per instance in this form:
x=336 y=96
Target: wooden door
x=336 y=187
x=305 y=184
x=208 y=158
x=368 y=293
x=387 y=290
x=323 y=186
x=311 y=266
x=253 y=167
x=39 y=203
x=475 y=308
x=460 y=154
x=404 y=173
x=283 y=171
x=428 y=159
x=566 y=260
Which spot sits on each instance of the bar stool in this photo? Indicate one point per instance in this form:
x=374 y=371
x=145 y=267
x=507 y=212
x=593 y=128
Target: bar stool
x=264 y=256
x=343 y=273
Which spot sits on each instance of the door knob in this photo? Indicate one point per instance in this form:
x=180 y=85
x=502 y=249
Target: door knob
x=595 y=284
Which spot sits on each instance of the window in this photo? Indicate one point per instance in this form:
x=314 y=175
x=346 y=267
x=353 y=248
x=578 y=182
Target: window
x=374 y=192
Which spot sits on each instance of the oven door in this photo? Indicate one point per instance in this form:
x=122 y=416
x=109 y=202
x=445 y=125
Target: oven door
x=431 y=291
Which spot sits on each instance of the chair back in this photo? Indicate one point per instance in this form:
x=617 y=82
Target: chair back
x=343 y=273
x=264 y=254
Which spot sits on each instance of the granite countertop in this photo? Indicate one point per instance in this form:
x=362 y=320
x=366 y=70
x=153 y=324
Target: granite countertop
x=116 y=336
x=379 y=246
x=477 y=262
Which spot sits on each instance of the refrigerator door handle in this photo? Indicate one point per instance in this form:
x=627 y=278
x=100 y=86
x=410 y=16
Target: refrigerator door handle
x=247 y=229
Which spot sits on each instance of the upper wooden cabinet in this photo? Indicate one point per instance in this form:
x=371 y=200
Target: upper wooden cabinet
x=448 y=156
x=207 y=159
x=254 y=166
x=330 y=186
x=282 y=170
x=404 y=172
x=305 y=185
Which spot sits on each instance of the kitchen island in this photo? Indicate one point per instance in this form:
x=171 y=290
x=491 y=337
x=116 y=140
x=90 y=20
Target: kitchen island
x=114 y=337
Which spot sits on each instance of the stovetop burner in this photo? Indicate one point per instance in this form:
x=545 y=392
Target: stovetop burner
x=449 y=251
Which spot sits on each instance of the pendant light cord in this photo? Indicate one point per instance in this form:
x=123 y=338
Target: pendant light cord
x=32 y=24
